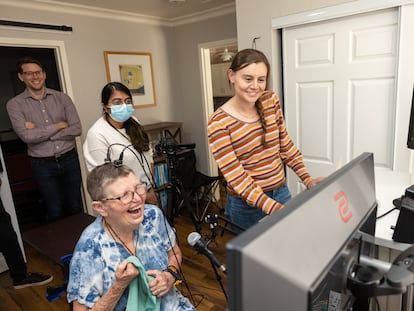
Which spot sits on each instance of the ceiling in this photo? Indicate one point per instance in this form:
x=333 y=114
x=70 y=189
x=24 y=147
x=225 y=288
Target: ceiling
x=168 y=9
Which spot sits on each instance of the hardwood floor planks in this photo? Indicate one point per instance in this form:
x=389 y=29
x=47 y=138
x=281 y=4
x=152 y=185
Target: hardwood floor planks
x=198 y=273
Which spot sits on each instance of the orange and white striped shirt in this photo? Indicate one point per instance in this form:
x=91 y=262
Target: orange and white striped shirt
x=250 y=168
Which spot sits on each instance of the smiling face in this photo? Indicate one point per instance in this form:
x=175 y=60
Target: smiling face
x=33 y=76
x=122 y=216
x=249 y=82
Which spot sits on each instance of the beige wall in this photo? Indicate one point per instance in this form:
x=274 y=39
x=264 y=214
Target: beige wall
x=186 y=77
x=84 y=49
x=174 y=54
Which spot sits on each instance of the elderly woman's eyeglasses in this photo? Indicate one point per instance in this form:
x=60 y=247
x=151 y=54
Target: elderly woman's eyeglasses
x=118 y=101
x=128 y=196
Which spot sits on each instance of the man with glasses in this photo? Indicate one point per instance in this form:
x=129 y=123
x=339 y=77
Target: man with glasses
x=47 y=121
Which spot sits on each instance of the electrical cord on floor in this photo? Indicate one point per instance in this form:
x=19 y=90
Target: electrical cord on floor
x=185 y=284
x=184 y=280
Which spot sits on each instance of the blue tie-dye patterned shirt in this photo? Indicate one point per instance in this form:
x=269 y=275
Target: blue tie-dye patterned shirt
x=96 y=256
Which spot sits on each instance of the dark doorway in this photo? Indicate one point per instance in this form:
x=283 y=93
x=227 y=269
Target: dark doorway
x=10 y=85
x=27 y=199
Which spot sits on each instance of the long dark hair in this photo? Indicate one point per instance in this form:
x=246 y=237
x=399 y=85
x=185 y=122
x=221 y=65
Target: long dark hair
x=139 y=139
x=243 y=59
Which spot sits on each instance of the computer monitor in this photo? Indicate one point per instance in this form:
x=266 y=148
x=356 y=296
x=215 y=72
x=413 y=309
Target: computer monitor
x=298 y=258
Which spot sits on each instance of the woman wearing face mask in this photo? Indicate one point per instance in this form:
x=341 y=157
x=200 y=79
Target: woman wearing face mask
x=118 y=133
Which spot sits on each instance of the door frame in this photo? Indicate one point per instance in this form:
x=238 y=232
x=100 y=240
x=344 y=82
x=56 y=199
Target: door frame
x=207 y=92
x=61 y=57
x=66 y=85
x=336 y=11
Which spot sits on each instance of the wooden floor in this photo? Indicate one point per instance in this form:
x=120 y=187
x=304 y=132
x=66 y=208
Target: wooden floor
x=201 y=285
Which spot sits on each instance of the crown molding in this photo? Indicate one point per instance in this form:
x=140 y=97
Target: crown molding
x=205 y=15
x=336 y=11
x=84 y=10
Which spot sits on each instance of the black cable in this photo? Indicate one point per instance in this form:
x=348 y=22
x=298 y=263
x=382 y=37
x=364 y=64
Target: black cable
x=150 y=176
x=176 y=258
x=119 y=162
x=132 y=149
x=386 y=213
x=150 y=179
x=108 y=152
x=165 y=220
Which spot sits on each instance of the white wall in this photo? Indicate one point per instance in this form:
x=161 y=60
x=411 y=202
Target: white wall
x=254 y=18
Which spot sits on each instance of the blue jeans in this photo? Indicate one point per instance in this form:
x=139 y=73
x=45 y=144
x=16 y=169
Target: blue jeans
x=242 y=214
x=59 y=182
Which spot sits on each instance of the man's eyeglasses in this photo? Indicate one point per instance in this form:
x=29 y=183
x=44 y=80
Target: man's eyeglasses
x=118 y=101
x=128 y=196
x=33 y=73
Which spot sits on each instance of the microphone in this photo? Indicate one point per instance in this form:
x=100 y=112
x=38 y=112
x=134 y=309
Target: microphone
x=197 y=242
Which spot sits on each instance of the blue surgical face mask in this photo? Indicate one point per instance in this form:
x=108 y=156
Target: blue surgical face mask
x=121 y=113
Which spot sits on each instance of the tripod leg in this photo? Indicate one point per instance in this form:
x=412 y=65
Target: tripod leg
x=187 y=204
x=218 y=278
x=170 y=203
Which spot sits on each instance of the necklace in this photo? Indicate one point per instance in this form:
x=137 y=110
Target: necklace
x=115 y=236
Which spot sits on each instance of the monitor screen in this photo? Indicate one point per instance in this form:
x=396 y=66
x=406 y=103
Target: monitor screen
x=297 y=258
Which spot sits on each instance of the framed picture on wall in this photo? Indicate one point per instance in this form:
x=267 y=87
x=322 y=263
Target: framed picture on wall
x=134 y=70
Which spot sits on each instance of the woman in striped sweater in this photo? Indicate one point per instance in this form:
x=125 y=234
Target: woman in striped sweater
x=250 y=143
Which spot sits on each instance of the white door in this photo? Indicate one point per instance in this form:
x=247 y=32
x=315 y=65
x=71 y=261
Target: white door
x=340 y=94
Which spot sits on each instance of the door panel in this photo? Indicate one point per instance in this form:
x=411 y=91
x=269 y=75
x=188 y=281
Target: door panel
x=340 y=91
